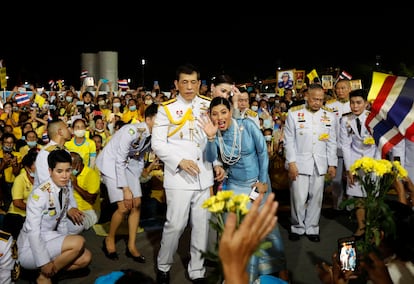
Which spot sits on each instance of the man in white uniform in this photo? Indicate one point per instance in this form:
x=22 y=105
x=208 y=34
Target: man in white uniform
x=339 y=106
x=179 y=142
x=310 y=143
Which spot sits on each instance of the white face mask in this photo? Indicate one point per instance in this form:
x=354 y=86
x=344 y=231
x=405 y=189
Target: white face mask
x=254 y=108
x=80 y=133
x=268 y=137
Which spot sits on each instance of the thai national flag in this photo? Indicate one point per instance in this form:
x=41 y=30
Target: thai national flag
x=123 y=83
x=22 y=99
x=392 y=111
x=344 y=75
x=84 y=74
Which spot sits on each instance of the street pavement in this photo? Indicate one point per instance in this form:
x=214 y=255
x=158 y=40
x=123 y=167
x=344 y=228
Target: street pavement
x=302 y=256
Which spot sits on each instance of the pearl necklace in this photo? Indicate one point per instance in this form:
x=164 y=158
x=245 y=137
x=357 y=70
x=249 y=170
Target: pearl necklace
x=231 y=156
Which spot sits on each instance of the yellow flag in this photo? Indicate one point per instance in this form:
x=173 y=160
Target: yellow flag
x=312 y=75
x=3 y=80
x=378 y=79
x=39 y=100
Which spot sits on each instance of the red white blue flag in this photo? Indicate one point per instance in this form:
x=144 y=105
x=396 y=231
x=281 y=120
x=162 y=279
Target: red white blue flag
x=392 y=111
x=84 y=74
x=345 y=75
x=22 y=99
x=123 y=84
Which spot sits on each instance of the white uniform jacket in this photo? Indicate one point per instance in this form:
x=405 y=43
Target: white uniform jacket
x=310 y=139
x=129 y=142
x=176 y=135
x=353 y=145
x=45 y=219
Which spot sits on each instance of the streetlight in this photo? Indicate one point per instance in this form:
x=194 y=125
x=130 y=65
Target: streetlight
x=143 y=74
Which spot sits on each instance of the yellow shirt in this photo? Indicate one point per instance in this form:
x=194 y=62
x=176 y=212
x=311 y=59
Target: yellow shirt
x=90 y=181
x=22 y=187
x=87 y=149
x=8 y=172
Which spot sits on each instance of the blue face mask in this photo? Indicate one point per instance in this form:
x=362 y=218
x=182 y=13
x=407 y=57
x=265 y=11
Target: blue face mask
x=132 y=108
x=31 y=144
x=75 y=172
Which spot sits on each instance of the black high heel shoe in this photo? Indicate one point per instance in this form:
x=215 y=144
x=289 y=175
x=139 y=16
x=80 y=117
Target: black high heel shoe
x=110 y=255
x=140 y=258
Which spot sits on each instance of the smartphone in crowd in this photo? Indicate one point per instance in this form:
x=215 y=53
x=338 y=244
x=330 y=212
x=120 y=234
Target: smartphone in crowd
x=348 y=254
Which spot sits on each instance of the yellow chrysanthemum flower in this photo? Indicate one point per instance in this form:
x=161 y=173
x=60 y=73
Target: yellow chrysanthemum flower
x=324 y=137
x=369 y=141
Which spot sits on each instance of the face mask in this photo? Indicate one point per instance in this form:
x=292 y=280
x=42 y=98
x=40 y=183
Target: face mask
x=75 y=172
x=80 y=133
x=267 y=123
x=52 y=107
x=23 y=138
x=116 y=104
x=148 y=102
x=79 y=103
x=31 y=144
x=99 y=130
x=87 y=105
x=132 y=108
x=101 y=103
x=7 y=149
x=254 y=108
x=268 y=138
x=69 y=99
x=32 y=174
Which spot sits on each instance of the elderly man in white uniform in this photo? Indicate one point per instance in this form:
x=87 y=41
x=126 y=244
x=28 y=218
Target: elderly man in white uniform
x=311 y=147
x=179 y=142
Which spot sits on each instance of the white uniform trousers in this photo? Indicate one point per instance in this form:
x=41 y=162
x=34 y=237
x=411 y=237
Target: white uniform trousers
x=338 y=190
x=306 y=195
x=182 y=205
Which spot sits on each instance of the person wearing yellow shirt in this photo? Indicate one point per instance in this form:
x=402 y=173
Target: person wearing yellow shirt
x=10 y=116
x=86 y=190
x=31 y=143
x=82 y=144
x=133 y=113
x=22 y=187
x=9 y=166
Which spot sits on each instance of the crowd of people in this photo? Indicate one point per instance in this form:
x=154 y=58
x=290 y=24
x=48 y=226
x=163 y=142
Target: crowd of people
x=66 y=154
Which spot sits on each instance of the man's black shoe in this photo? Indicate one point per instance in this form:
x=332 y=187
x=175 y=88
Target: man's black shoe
x=163 y=277
x=199 y=281
x=294 y=237
x=314 y=238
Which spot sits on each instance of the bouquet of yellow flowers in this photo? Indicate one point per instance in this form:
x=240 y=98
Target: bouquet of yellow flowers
x=219 y=205
x=376 y=176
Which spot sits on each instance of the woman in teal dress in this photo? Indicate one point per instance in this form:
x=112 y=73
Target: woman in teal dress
x=240 y=146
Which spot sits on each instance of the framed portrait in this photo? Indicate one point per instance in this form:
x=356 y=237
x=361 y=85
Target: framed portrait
x=327 y=82
x=285 y=79
x=356 y=84
x=299 y=77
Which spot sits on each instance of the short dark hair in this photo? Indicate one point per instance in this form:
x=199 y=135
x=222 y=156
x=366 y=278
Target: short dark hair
x=186 y=69
x=359 y=93
x=151 y=110
x=58 y=156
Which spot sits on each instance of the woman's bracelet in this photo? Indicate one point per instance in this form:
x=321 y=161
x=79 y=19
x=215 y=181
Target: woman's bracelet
x=211 y=139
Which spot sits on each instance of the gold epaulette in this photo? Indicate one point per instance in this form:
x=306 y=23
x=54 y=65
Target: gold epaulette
x=295 y=108
x=52 y=147
x=45 y=186
x=4 y=235
x=204 y=97
x=327 y=108
x=330 y=101
x=168 y=102
x=251 y=112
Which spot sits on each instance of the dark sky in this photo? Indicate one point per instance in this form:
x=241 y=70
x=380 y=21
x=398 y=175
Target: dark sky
x=45 y=51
